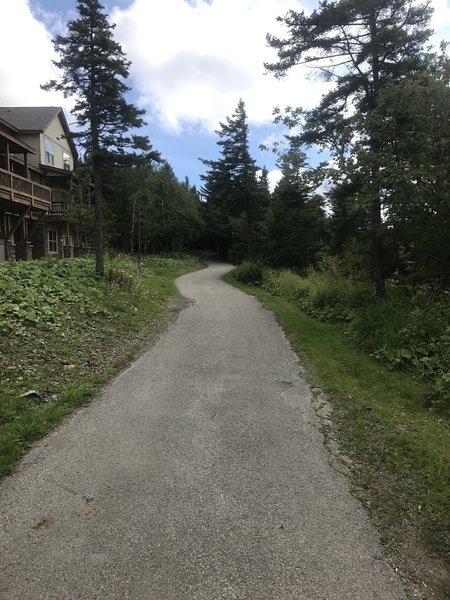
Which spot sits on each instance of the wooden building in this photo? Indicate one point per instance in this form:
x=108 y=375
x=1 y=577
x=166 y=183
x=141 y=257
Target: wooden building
x=37 y=157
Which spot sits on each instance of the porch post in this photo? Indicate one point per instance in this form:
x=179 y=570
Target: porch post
x=8 y=165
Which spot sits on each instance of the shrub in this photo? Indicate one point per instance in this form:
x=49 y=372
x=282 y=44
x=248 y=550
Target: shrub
x=271 y=282
x=251 y=273
x=406 y=331
x=282 y=283
x=440 y=398
x=124 y=280
x=169 y=262
x=377 y=326
x=321 y=295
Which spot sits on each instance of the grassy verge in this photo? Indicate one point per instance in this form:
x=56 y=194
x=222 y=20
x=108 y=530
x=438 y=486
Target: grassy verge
x=64 y=333
x=399 y=450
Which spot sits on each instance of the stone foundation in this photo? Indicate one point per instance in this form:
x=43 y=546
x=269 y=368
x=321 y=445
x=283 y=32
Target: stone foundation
x=81 y=251
x=39 y=242
x=68 y=251
x=24 y=251
x=10 y=251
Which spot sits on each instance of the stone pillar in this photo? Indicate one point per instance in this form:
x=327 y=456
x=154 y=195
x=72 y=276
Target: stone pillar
x=10 y=251
x=81 y=251
x=68 y=251
x=39 y=241
x=24 y=251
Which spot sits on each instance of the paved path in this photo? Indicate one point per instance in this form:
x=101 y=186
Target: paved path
x=200 y=473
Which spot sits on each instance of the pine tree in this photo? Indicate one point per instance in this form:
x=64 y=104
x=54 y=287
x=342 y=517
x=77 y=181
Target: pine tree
x=361 y=45
x=231 y=187
x=94 y=69
x=412 y=126
x=263 y=189
x=295 y=219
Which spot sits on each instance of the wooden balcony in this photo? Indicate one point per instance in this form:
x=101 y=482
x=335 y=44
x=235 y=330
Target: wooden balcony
x=24 y=191
x=61 y=202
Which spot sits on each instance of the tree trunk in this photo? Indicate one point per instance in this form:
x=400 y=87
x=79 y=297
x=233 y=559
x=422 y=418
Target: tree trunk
x=376 y=216
x=249 y=237
x=248 y=221
x=98 y=226
x=377 y=250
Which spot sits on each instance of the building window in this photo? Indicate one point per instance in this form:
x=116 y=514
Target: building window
x=49 y=152
x=66 y=161
x=52 y=240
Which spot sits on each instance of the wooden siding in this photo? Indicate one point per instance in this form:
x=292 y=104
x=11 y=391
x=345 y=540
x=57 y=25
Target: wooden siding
x=55 y=133
x=33 y=141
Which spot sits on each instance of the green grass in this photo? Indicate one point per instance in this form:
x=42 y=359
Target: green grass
x=399 y=450
x=64 y=333
x=409 y=330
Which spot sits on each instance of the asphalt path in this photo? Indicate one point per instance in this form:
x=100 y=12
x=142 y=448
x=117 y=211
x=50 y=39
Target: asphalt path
x=199 y=473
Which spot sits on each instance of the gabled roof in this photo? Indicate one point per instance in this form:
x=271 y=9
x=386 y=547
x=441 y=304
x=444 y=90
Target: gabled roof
x=29 y=118
x=34 y=119
x=4 y=124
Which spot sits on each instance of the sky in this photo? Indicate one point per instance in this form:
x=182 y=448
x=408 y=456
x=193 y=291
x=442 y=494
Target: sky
x=192 y=60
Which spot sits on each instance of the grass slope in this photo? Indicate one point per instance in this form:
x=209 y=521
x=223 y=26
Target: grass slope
x=64 y=333
x=399 y=450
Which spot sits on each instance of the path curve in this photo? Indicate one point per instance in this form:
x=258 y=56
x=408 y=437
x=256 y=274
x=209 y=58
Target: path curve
x=199 y=473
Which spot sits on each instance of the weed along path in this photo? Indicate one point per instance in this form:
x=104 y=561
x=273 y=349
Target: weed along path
x=199 y=473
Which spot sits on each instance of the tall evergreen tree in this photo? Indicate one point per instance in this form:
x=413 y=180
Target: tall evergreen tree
x=295 y=219
x=94 y=69
x=231 y=187
x=412 y=127
x=361 y=45
x=215 y=192
x=264 y=187
x=347 y=227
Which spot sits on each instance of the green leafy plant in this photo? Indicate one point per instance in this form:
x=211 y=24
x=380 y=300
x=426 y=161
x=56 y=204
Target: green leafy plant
x=409 y=331
x=65 y=331
x=250 y=272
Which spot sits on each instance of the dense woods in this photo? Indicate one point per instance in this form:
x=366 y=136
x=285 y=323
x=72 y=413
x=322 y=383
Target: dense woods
x=385 y=124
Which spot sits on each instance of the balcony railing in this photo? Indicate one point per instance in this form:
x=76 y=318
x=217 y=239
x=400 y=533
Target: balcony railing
x=61 y=201
x=24 y=190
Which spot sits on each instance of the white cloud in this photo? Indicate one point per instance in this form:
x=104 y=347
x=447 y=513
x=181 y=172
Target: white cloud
x=441 y=17
x=274 y=177
x=26 y=50
x=192 y=62
x=273 y=139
